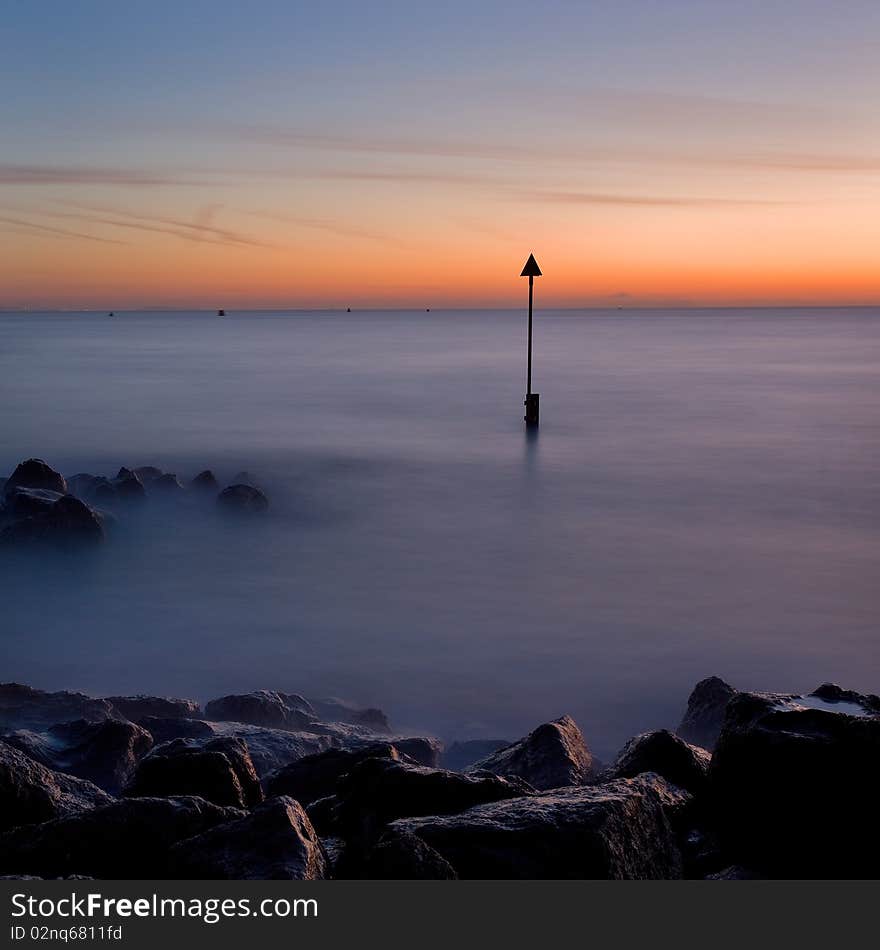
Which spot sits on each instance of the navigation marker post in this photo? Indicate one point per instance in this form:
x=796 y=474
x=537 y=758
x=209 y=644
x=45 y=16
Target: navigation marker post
x=532 y=400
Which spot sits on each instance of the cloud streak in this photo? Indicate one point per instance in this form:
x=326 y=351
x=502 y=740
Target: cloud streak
x=56 y=232
x=643 y=201
x=28 y=174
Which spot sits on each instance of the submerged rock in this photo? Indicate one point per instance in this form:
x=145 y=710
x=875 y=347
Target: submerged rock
x=552 y=756
x=615 y=831
x=663 y=752
x=136 y=708
x=23 y=707
x=794 y=788
x=127 y=839
x=35 y=473
x=242 y=498
x=263 y=707
x=67 y=524
x=31 y=793
x=276 y=841
x=704 y=716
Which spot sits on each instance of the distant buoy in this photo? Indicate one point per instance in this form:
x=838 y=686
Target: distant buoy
x=111 y=314
x=221 y=313
x=348 y=309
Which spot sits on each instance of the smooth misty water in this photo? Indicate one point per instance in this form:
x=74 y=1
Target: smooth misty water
x=703 y=498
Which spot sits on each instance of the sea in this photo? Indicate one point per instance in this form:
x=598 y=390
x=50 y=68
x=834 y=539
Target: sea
x=702 y=497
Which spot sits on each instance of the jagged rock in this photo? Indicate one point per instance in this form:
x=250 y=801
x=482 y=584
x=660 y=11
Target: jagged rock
x=31 y=793
x=127 y=486
x=270 y=749
x=837 y=699
x=552 y=756
x=666 y=754
x=219 y=770
x=205 y=481
x=23 y=707
x=262 y=707
x=105 y=753
x=35 y=473
x=242 y=498
x=147 y=473
x=316 y=776
x=136 y=708
x=68 y=524
x=22 y=502
x=794 y=788
x=162 y=729
x=459 y=755
x=127 y=839
x=276 y=841
x=421 y=749
x=702 y=720
x=615 y=831
x=167 y=484
x=338 y=710
x=402 y=856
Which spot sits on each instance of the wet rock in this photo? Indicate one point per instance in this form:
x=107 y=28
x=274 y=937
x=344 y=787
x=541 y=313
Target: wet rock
x=552 y=756
x=23 y=707
x=338 y=710
x=21 y=502
x=242 y=498
x=794 y=788
x=136 y=708
x=666 y=754
x=402 y=856
x=205 y=481
x=105 y=753
x=219 y=770
x=31 y=793
x=615 y=831
x=459 y=755
x=163 y=729
x=127 y=839
x=316 y=776
x=68 y=524
x=270 y=749
x=262 y=707
x=276 y=841
x=35 y=473
x=702 y=720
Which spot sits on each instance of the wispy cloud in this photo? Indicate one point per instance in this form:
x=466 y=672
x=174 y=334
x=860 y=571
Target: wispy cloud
x=661 y=201
x=27 y=174
x=56 y=232
x=325 y=224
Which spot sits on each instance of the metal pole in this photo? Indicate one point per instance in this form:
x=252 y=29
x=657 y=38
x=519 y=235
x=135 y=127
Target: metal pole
x=529 y=377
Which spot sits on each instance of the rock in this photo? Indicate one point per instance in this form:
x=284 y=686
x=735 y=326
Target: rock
x=30 y=793
x=105 y=753
x=219 y=770
x=205 y=481
x=402 y=856
x=316 y=776
x=128 y=839
x=136 y=708
x=377 y=791
x=663 y=752
x=35 y=473
x=836 y=699
x=242 y=498
x=552 y=756
x=262 y=707
x=702 y=720
x=167 y=484
x=270 y=749
x=23 y=707
x=276 y=841
x=68 y=524
x=163 y=729
x=128 y=487
x=338 y=710
x=21 y=502
x=421 y=749
x=459 y=755
x=794 y=788
x=83 y=485
x=147 y=473
x=615 y=831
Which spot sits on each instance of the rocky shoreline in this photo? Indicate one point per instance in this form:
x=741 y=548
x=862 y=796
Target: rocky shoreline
x=272 y=785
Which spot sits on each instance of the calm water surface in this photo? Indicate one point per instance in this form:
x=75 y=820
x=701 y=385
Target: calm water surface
x=703 y=497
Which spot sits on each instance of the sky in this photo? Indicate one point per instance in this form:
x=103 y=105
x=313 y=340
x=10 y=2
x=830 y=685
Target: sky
x=293 y=155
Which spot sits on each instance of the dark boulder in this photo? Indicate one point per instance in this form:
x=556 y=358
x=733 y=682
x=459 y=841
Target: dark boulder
x=127 y=839
x=271 y=749
x=459 y=755
x=167 y=484
x=552 y=756
x=127 y=486
x=276 y=841
x=21 y=502
x=421 y=749
x=219 y=770
x=136 y=708
x=31 y=793
x=205 y=481
x=105 y=753
x=163 y=729
x=794 y=788
x=68 y=524
x=35 y=473
x=147 y=473
x=666 y=754
x=402 y=856
x=316 y=776
x=242 y=498
x=23 y=707
x=615 y=831
x=262 y=707
x=704 y=715
x=338 y=710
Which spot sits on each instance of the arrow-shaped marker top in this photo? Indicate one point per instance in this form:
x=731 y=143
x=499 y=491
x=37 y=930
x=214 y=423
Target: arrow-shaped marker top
x=531 y=269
